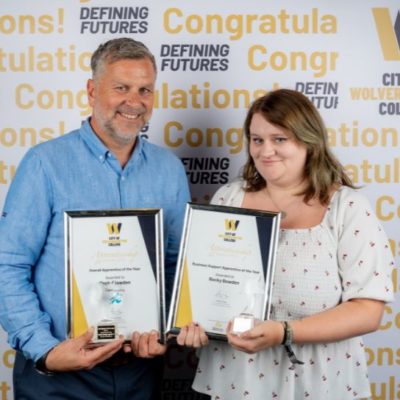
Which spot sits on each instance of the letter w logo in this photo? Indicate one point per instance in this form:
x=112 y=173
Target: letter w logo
x=231 y=224
x=388 y=37
x=114 y=229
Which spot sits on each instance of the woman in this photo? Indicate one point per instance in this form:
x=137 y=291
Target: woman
x=332 y=273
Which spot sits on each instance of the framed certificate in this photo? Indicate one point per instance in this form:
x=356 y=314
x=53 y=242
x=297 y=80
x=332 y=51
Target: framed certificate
x=114 y=272
x=225 y=267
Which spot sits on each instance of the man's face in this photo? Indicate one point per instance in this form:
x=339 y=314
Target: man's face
x=122 y=97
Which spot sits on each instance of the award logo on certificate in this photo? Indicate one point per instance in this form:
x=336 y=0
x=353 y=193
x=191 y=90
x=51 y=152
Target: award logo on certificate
x=114 y=272
x=225 y=267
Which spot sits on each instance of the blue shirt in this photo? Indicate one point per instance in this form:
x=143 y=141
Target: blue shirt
x=73 y=172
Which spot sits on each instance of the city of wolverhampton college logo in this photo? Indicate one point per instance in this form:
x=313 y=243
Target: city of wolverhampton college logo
x=114 y=232
x=389 y=34
x=230 y=235
x=114 y=229
x=231 y=224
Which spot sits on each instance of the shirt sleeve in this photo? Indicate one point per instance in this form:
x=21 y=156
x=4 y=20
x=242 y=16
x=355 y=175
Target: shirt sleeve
x=23 y=231
x=364 y=255
x=230 y=194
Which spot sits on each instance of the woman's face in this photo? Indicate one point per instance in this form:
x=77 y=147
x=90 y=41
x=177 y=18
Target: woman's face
x=277 y=156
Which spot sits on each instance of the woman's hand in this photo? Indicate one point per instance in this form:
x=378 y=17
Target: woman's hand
x=265 y=334
x=192 y=335
x=145 y=345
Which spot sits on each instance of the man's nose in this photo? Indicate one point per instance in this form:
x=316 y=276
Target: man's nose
x=133 y=98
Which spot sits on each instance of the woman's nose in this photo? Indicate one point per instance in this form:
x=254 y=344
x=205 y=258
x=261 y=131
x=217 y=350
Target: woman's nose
x=267 y=149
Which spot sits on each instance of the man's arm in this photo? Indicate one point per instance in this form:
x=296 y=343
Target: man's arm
x=23 y=230
x=24 y=227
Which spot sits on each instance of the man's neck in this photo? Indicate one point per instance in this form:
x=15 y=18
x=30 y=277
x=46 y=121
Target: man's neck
x=123 y=154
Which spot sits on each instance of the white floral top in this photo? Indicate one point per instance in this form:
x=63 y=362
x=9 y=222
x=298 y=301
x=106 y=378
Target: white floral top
x=346 y=256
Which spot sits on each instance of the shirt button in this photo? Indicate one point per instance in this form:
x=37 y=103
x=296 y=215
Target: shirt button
x=123 y=178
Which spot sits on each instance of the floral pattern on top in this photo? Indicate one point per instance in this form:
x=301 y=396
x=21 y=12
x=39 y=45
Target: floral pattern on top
x=345 y=256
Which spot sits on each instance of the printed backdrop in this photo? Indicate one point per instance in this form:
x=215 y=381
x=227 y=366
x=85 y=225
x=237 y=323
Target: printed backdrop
x=214 y=58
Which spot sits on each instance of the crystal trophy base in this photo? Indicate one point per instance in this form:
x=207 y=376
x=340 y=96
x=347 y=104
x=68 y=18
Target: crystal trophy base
x=242 y=323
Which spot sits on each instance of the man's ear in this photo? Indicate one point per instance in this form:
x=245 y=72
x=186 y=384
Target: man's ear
x=90 y=89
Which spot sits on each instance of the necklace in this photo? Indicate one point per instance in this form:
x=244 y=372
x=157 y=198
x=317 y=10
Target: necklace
x=283 y=212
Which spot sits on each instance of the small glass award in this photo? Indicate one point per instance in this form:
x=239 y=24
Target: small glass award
x=242 y=323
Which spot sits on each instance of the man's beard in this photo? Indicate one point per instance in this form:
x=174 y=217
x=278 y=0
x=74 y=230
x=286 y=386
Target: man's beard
x=119 y=137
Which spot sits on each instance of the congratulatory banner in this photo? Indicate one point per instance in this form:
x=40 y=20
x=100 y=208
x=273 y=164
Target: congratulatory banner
x=114 y=272
x=214 y=59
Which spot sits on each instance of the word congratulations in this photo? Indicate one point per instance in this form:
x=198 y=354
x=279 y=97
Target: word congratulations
x=237 y=25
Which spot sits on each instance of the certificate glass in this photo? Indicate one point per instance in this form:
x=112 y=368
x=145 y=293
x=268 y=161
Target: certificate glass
x=225 y=267
x=114 y=273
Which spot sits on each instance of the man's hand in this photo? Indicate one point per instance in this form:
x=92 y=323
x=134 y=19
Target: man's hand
x=71 y=354
x=145 y=345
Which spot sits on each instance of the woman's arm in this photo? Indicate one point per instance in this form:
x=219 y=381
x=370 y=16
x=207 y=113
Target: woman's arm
x=352 y=318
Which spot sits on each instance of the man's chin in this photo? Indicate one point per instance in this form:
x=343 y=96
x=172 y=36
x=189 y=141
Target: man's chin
x=126 y=139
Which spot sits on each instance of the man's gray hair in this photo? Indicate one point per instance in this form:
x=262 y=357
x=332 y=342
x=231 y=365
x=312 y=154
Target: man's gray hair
x=119 y=49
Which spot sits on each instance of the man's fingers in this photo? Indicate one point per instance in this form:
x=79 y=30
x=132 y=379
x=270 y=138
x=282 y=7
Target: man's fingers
x=135 y=342
x=84 y=339
x=143 y=348
x=102 y=353
x=127 y=348
x=155 y=347
x=139 y=343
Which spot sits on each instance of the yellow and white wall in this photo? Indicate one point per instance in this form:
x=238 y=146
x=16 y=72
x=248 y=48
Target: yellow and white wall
x=214 y=58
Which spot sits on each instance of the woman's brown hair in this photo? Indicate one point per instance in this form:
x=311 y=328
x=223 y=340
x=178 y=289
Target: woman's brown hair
x=294 y=112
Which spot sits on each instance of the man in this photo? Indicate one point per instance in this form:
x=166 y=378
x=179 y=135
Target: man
x=102 y=165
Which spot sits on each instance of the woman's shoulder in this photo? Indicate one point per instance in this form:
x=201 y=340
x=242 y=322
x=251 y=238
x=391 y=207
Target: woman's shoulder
x=230 y=194
x=349 y=206
x=348 y=198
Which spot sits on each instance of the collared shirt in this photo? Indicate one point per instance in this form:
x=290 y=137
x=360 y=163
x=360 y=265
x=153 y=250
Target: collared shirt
x=73 y=172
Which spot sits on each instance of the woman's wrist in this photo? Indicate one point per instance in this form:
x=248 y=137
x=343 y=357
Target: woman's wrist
x=281 y=333
x=287 y=341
